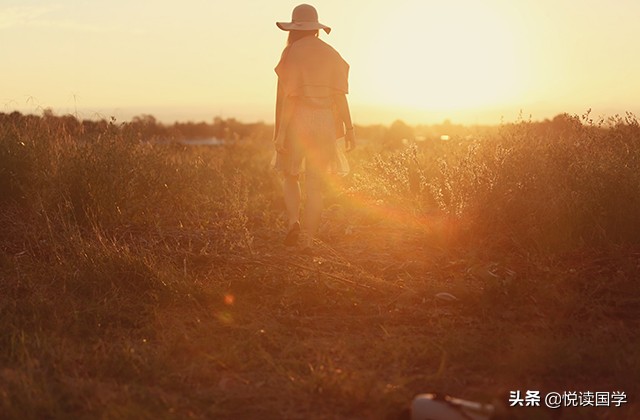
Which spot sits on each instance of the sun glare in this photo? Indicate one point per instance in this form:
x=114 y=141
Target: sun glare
x=437 y=56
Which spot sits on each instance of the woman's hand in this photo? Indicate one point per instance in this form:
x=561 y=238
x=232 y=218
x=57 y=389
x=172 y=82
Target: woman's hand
x=344 y=116
x=279 y=143
x=349 y=140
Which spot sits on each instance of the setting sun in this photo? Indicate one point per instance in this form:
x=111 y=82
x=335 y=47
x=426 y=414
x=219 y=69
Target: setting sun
x=439 y=56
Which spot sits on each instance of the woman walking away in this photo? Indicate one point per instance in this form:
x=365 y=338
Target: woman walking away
x=311 y=113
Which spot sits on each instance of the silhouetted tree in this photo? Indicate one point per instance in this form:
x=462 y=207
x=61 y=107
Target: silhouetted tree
x=398 y=132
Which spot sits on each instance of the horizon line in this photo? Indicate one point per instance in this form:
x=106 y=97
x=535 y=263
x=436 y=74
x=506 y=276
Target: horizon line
x=168 y=114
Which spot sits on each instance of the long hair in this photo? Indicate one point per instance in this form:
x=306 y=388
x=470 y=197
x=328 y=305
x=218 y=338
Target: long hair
x=297 y=35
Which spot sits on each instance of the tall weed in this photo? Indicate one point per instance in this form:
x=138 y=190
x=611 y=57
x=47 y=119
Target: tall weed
x=546 y=186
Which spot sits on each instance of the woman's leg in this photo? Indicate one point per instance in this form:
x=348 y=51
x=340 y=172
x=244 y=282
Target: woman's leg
x=291 y=190
x=312 y=206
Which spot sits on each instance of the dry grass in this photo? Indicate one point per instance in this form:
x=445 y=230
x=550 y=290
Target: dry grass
x=147 y=281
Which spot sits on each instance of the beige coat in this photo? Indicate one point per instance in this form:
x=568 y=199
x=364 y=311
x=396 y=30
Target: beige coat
x=311 y=67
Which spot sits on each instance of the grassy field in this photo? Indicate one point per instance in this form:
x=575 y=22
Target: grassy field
x=143 y=280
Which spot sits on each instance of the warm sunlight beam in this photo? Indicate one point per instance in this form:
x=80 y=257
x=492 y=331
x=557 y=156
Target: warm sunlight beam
x=437 y=56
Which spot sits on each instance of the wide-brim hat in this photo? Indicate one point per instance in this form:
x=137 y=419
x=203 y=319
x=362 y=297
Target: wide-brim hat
x=303 y=18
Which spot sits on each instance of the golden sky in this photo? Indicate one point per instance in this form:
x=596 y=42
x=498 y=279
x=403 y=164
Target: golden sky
x=418 y=60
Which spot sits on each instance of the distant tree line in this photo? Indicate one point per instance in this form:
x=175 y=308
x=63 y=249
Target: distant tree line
x=146 y=127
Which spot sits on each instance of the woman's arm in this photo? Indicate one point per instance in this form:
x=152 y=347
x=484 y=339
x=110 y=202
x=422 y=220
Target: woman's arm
x=284 y=111
x=279 y=95
x=342 y=107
